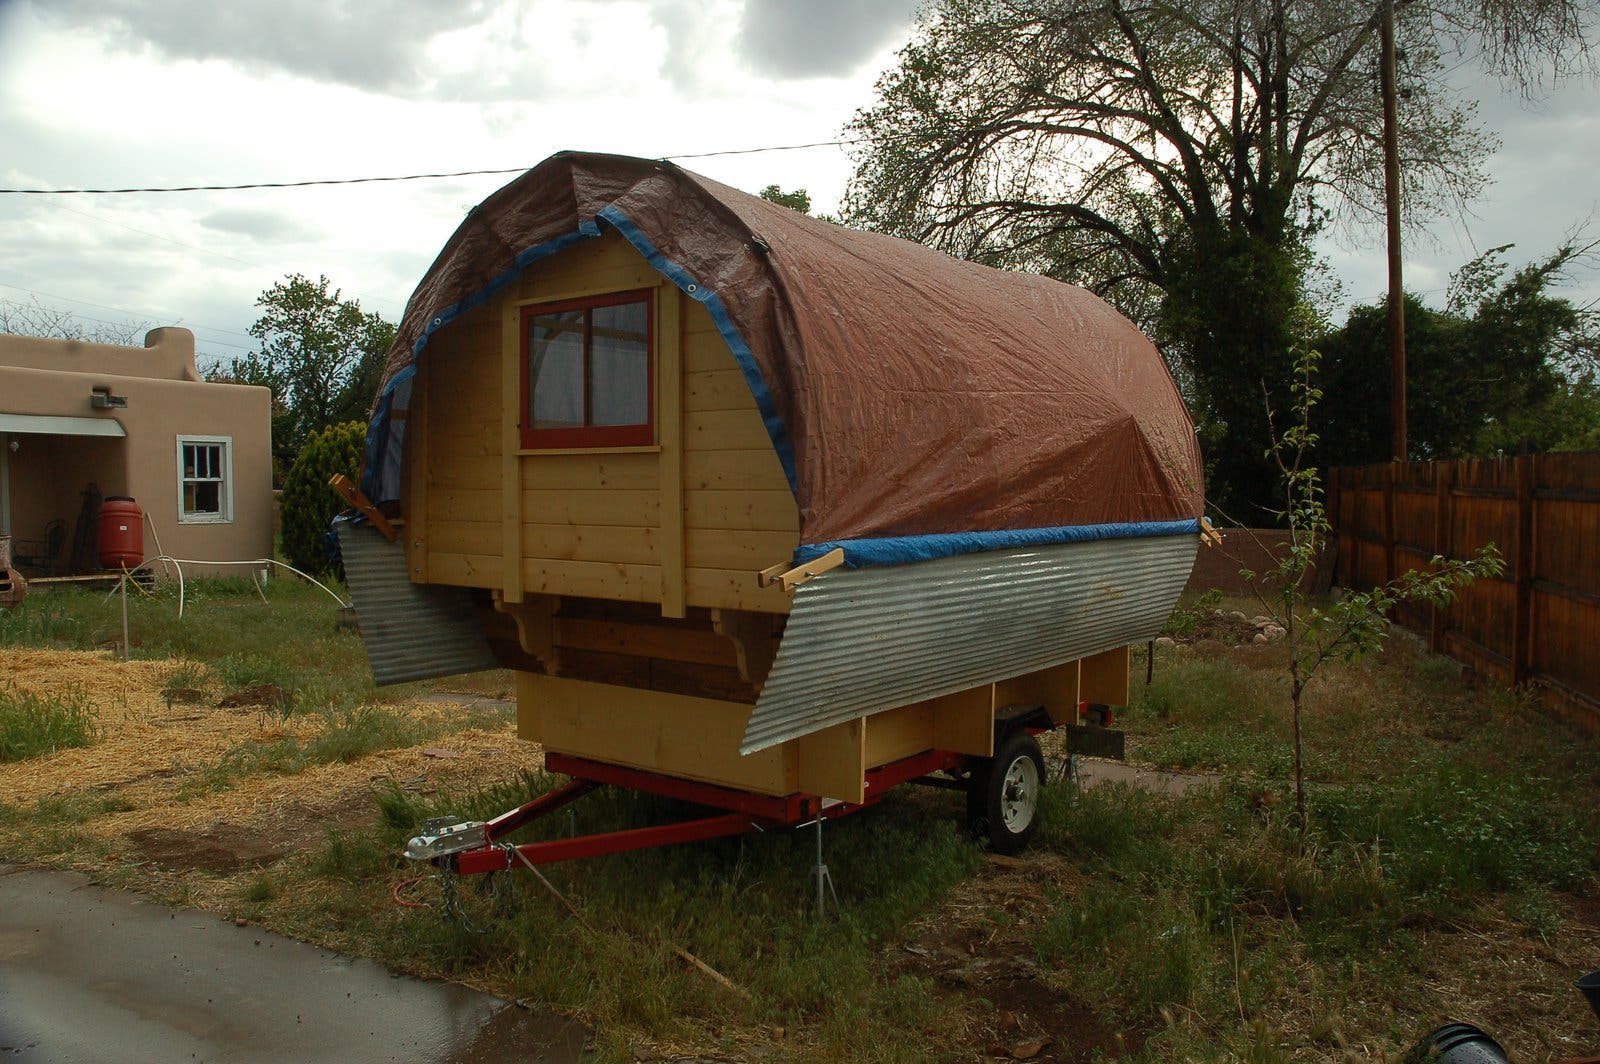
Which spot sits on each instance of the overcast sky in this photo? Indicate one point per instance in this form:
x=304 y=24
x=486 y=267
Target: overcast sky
x=161 y=92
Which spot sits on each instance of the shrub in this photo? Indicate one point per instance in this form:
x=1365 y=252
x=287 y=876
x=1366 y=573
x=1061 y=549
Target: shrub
x=308 y=504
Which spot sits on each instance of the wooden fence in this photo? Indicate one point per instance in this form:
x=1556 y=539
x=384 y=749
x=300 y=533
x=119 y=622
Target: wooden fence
x=1539 y=623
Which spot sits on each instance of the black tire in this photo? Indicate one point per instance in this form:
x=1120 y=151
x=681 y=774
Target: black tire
x=1003 y=793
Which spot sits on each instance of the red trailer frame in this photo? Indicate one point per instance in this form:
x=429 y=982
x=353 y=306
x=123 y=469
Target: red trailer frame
x=744 y=811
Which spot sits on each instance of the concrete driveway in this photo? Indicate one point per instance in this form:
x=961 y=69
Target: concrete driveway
x=90 y=974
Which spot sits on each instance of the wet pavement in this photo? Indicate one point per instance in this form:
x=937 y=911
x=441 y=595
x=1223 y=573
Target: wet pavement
x=90 y=974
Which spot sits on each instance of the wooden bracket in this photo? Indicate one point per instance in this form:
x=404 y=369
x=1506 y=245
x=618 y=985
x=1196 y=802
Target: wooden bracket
x=1208 y=533
x=535 y=618
x=789 y=579
x=352 y=495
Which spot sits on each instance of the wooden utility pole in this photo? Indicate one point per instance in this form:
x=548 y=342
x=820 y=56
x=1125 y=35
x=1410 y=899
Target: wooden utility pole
x=1391 y=195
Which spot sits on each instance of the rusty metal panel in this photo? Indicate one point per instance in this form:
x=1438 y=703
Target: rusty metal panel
x=866 y=640
x=411 y=631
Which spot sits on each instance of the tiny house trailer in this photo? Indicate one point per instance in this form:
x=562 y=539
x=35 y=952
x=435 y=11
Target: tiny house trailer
x=765 y=513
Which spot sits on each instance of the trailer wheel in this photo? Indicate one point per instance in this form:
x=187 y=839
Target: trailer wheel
x=1003 y=793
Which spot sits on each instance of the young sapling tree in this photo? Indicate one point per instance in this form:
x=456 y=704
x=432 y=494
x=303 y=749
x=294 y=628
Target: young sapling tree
x=1358 y=622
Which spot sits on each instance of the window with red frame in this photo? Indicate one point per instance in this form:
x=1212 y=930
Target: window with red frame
x=587 y=372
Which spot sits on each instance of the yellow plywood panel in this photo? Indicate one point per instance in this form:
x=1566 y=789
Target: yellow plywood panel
x=899 y=733
x=733 y=589
x=1056 y=689
x=832 y=762
x=717 y=389
x=678 y=735
x=590 y=543
x=607 y=580
x=739 y=549
x=725 y=430
x=1104 y=678
x=638 y=509
x=770 y=511
x=963 y=723
x=464 y=570
x=600 y=470
x=753 y=470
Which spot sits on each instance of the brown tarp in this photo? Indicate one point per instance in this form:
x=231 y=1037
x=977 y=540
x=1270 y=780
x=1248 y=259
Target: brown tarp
x=908 y=392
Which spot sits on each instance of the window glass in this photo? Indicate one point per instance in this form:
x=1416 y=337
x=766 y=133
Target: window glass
x=203 y=480
x=619 y=365
x=555 y=370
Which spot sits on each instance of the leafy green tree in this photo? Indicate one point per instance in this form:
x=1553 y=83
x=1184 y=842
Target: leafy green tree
x=798 y=200
x=321 y=355
x=307 y=504
x=1505 y=367
x=1176 y=156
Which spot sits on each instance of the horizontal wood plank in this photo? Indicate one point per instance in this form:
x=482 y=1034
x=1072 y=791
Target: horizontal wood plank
x=725 y=430
x=673 y=642
x=731 y=589
x=739 y=548
x=635 y=509
x=464 y=504
x=610 y=580
x=591 y=472
x=749 y=470
x=591 y=543
x=717 y=389
x=464 y=570
x=773 y=511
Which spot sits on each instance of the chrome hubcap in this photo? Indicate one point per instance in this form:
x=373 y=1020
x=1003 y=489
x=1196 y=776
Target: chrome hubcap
x=1019 y=797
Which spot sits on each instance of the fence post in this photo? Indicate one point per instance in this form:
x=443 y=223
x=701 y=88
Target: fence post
x=1389 y=472
x=1522 y=619
x=1444 y=479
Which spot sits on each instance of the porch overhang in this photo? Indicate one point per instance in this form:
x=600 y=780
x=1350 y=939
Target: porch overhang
x=61 y=425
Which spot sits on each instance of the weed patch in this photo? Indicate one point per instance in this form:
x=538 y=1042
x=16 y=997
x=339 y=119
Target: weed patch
x=31 y=724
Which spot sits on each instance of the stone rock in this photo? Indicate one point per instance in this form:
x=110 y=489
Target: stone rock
x=1261 y=620
x=1260 y=638
x=1237 y=615
x=1166 y=642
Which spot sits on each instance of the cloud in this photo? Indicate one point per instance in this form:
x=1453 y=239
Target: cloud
x=254 y=222
x=822 y=38
x=366 y=45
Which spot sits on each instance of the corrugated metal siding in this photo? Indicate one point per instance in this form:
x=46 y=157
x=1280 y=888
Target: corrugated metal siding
x=866 y=640
x=411 y=631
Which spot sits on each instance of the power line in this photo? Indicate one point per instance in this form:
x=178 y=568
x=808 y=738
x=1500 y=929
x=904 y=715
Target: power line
x=374 y=180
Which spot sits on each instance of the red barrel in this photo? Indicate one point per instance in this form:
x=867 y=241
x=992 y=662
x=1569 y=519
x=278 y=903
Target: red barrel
x=121 y=533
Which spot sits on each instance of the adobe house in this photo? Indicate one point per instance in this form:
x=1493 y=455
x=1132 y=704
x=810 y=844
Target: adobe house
x=753 y=500
x=81 y=422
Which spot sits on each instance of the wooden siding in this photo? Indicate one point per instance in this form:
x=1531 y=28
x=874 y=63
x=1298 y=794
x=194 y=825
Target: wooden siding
x=1539 y=622
x=686 y=523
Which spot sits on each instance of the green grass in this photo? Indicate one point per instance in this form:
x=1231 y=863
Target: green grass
x=351 y=734
x=1198 y=926
x=745 y=906
x=31 y=724
x=290 y=640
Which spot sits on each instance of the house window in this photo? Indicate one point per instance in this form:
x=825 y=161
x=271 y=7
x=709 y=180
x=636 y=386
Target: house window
x=205 y=479
x=587 y=372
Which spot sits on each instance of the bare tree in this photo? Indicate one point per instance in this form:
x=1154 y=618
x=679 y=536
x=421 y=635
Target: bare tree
x=35 y=319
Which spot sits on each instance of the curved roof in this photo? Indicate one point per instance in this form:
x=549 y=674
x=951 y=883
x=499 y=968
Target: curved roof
x=921 y=405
